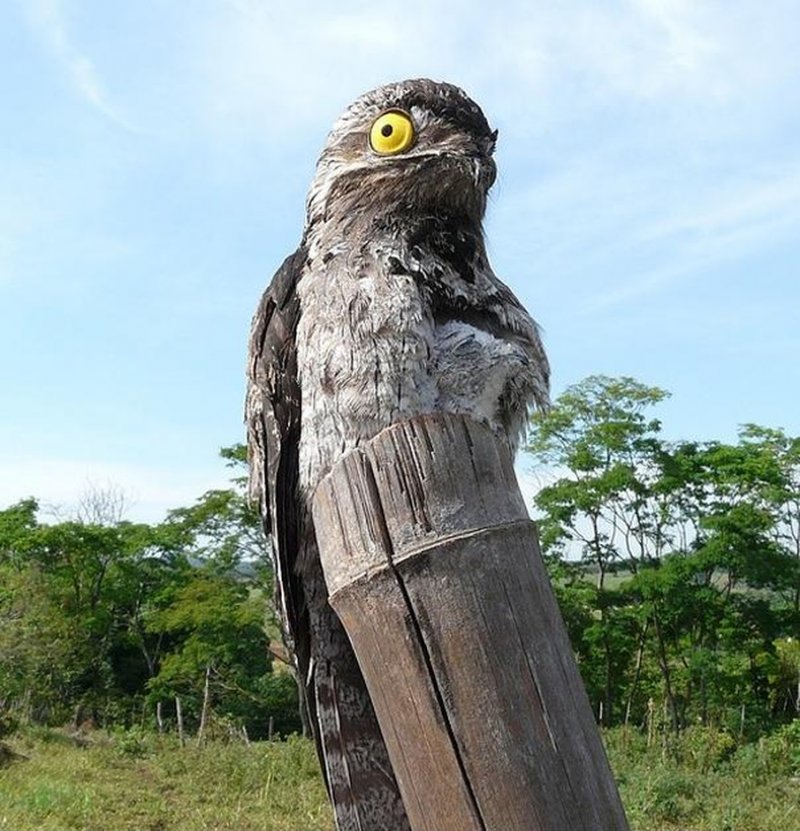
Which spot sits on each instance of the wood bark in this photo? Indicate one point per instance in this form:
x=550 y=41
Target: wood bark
x=433 y=566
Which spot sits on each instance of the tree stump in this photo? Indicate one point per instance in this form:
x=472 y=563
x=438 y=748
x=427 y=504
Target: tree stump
x=433 y=566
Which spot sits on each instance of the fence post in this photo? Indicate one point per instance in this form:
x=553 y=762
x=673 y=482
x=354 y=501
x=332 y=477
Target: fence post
x=434 y=568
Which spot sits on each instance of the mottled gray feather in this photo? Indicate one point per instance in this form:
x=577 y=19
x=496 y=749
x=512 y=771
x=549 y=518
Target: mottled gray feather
x=388 y=310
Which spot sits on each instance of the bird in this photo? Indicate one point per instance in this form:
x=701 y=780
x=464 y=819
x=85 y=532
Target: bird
x=388 y=309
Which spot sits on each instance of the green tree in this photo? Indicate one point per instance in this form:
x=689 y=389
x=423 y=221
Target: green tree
x=220 y=662
x=97 y=613
x=702 y=542
x=780 y=493
x=605 y=507
x=221 y=528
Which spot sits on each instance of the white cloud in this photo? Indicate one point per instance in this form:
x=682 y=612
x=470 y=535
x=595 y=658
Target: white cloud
x=648 y=48
x=721 y=224
x=47 y=20
x=683 y=49
x=697 y=72
x=270 y=68
x=761 y=197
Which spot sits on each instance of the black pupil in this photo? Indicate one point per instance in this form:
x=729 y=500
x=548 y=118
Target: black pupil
x=387 y=130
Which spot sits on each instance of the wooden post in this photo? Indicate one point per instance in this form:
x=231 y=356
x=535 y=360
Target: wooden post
x=201 y=730
x=433 y=566
x=179 y=717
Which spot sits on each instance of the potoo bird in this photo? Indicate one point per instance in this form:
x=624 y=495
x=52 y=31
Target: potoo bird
x=388 y=309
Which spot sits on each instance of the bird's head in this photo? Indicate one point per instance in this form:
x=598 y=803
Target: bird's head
x=416 y=145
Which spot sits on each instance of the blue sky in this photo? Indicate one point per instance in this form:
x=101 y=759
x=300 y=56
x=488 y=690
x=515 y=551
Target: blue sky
x=154 y=161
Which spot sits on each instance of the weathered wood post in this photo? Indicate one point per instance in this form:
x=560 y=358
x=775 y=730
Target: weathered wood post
x=434 y=568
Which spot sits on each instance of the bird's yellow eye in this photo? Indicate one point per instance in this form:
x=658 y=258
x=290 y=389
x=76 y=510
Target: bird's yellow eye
x=392 y=132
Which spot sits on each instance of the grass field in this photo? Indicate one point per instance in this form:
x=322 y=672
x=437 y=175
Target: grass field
x=131 y=782
x=149 y=785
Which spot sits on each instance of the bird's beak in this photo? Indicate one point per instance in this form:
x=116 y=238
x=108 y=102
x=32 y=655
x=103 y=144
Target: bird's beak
x=484 y=171
x=483 y=166
x=491 y=144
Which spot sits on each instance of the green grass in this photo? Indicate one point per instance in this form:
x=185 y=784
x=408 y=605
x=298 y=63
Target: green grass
x=133 y=782
x=139 y=784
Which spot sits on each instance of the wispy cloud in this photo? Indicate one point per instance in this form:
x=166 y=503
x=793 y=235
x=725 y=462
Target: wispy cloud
x=725 y=223
x=258 y=56
x=46 y=17
x=264 y=71
x=764 y=198
x=646 y=48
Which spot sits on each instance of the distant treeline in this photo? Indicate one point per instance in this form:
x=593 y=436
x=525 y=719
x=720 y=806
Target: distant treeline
x=119 y=624
x=676 y=564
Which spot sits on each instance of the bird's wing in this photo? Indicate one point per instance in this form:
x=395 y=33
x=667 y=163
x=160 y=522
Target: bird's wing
x=364 y=796
x=272 y=412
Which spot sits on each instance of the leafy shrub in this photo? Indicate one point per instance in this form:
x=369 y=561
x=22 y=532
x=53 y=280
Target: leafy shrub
x=704 y=748
x=661 y=793
x=133 y=742
x=775 y=755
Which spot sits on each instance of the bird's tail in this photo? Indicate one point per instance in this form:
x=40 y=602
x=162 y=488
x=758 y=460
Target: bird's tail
x=361 y=783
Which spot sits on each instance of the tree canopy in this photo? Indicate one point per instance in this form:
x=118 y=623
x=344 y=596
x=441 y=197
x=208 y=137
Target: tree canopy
x=105 y=619
x=677 y=564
